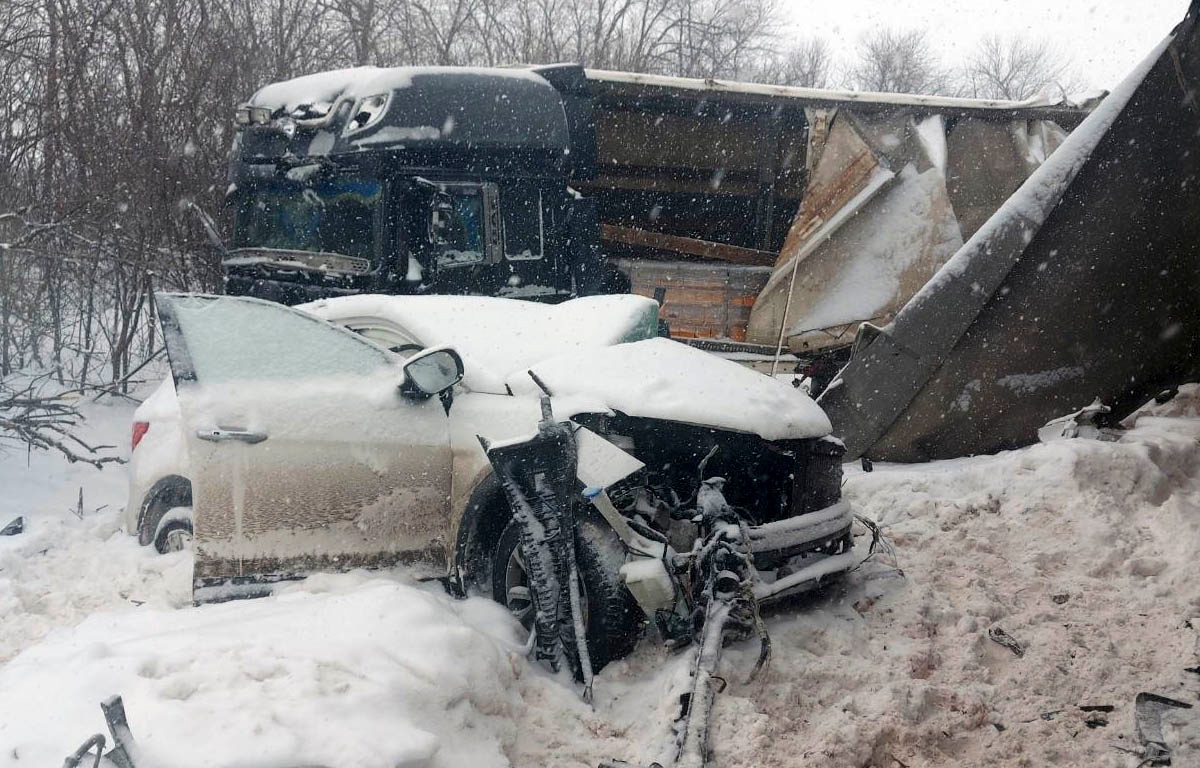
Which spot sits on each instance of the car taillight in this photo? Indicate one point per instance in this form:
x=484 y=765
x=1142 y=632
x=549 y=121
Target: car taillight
x=139 y=431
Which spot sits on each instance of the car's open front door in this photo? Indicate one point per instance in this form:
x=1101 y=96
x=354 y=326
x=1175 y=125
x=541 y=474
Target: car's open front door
x=304 y=455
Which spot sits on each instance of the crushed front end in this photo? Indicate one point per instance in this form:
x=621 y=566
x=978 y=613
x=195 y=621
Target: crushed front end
x=786 y=494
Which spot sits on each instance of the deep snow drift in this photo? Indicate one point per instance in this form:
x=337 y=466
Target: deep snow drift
x=1082 y=551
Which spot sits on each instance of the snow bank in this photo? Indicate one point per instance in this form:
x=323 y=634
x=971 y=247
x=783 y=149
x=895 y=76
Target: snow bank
x=346 y=671
x=70 y=561
x=1083 y=551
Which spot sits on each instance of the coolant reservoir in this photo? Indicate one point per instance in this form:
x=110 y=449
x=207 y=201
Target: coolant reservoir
x=650 y=584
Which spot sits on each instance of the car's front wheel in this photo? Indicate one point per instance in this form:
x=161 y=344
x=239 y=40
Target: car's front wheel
x=611 y=616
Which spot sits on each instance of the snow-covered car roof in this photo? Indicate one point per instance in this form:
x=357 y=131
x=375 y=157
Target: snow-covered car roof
x=495 y=336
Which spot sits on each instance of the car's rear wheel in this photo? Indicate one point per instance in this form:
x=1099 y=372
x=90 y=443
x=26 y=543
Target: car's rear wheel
x=161 y=505
x=612 y=618
x=174 y=532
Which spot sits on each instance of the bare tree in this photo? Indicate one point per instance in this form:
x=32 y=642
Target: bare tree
x=807 y=64
x=1016 y=68
x=898 y=61
x=361 y=27
x=721 y=38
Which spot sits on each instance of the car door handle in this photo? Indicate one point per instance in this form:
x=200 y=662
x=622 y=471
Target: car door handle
x=221 y=435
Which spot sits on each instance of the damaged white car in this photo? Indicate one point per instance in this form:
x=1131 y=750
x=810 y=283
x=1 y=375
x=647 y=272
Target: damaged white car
x=367 y=431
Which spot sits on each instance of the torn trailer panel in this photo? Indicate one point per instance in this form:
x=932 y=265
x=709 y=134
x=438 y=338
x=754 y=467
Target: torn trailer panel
x=1084 y=285
x=889 y=200
x=698 y=176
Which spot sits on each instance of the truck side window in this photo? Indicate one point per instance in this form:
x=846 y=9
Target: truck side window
x=456 y=224
x=463 y=227
x=525 y=223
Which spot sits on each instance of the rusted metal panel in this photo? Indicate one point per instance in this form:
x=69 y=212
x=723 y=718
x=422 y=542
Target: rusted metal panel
x=881 y=216
x=823 y=200
x=848 y=173
x=705 y=249
x=709 y=301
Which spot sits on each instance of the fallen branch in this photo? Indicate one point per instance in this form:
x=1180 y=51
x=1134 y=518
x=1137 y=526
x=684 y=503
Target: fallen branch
x=47 y=422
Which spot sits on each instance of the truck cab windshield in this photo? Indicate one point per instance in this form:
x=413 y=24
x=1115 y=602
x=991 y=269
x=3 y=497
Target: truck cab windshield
x=332 y=215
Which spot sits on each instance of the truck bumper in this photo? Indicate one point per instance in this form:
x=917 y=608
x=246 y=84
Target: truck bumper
x=282 y=291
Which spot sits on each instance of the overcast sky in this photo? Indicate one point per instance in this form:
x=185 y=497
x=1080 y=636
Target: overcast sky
x=1105 y=38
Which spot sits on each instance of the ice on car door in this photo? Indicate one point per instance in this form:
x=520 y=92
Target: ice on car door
x=304 y=454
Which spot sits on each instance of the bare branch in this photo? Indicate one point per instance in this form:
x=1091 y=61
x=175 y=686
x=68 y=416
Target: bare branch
x=47 y=422
x=898 y=62
x=1015 y=68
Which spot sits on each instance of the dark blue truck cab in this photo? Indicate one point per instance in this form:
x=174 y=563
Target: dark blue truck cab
x=415 y=180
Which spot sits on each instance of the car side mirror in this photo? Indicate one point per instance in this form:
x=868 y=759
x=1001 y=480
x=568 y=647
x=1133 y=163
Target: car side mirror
x=432 y=372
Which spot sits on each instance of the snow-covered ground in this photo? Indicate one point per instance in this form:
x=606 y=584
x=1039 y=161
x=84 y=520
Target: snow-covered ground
x=1082 y=551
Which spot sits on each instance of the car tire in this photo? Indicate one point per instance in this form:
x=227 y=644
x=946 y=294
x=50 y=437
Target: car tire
x=174 y=535
x=613 y=619
x=168 y=493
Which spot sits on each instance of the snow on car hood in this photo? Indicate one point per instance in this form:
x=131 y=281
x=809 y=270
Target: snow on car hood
x=597 y=352
x=497 y=336
x=662 y=379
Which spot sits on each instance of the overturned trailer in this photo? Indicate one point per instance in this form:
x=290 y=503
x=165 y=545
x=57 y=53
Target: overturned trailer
x=1084 y=285
x=754 y=209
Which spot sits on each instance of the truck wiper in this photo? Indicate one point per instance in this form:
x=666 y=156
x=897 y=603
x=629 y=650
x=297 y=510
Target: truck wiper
x=209 y=227
x=424 y=182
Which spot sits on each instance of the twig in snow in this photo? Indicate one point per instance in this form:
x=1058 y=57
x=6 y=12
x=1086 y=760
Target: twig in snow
x=998 y=635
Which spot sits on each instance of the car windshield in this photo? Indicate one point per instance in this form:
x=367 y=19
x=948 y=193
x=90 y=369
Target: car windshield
x=334 y=216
